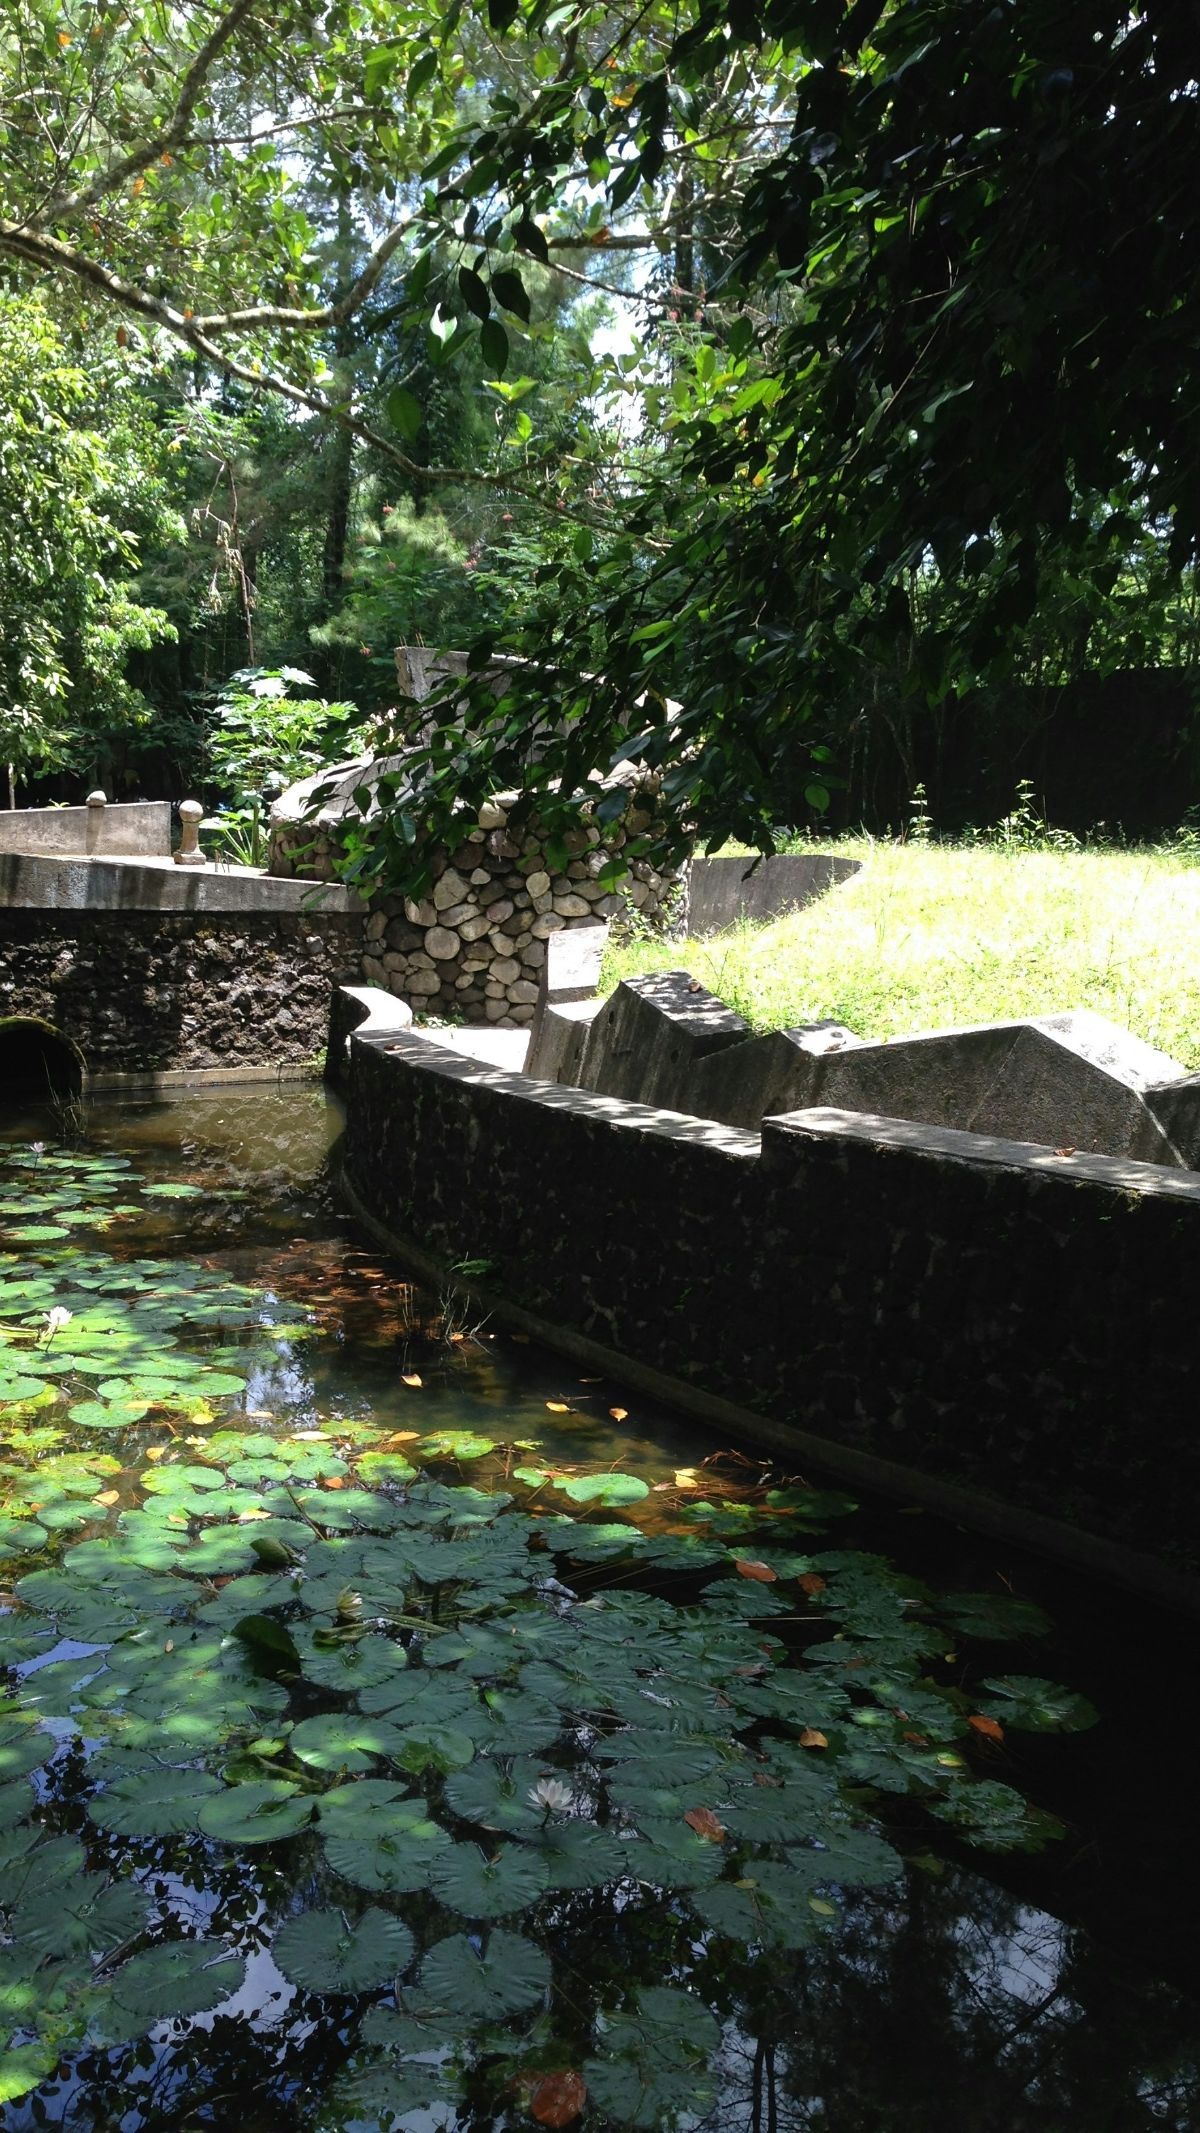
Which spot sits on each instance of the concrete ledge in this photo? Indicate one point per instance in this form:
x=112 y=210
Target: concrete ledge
x=173 y=1079
x=35 y=882
x=940 y=1145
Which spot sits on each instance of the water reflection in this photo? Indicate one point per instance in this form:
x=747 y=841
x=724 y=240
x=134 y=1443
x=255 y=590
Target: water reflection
x=953 y=2003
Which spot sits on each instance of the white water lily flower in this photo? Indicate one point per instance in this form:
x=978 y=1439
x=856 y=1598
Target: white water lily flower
x=551 y=1794
x=56 y=1319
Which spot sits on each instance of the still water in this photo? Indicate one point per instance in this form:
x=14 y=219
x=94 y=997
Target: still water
x=1000 y=1991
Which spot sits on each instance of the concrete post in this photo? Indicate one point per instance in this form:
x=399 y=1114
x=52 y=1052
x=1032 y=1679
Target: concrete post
x=96 y=804
x=189 y=853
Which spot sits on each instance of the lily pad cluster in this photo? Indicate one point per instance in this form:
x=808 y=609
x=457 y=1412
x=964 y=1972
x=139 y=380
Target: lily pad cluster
x=455 y=1740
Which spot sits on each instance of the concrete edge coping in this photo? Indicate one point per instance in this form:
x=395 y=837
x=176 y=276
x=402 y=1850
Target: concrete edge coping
x=429 y=1057
x=978 y=1151
x=1031 y=1531
x=77 y=883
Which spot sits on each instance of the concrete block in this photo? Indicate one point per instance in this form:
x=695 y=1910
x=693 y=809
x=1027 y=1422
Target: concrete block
x=559 y=1035
x=776 y=1072
x=1061 y=1081
x=648 y=1037
x=720 y=892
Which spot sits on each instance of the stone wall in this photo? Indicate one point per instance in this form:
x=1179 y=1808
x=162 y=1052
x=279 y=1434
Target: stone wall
x=103 y=826
x=934 y=1305
x=474 y=946
x=159 y=991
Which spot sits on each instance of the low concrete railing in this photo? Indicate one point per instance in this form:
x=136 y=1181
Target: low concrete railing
x=129 y=828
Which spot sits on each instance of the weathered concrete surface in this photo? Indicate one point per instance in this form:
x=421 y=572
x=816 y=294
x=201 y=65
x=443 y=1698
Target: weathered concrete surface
x=559 y=1040
x=134 y=827
x=1175 y=1108
x=741 y=1085
x=1067 y=1081
x=39 y=883
x=957 y=1309
x=722 y=892
x=569 y=976
x=644 y=1043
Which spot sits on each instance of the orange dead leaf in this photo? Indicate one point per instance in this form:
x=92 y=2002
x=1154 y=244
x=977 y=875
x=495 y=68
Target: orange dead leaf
x=990 y=1728
x=166 y=159
x=412 y=1377
x=810 y=1738
x=916 y=1740
x=107 y=1497
x=619 y=1414
x=402 y=1436
x=558 y=1407
x=558 y=2098
x=138 y=186
x=64 y=39
x=334 y=1481
x=122 y=337
x=811 y=1583
x=761 y=1572
x=705 y=1824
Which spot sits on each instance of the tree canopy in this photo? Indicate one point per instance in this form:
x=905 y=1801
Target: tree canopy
x=915 y=329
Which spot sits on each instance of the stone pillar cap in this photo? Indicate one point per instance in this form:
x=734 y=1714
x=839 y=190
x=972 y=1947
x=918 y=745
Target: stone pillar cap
x=97 y=799
x=191 y=810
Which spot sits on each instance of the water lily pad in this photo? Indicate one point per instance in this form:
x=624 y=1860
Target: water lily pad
x=260 y=1812
x=467 y=1880
x=323 y=1952
x=507 y=1976
x=154 y=1803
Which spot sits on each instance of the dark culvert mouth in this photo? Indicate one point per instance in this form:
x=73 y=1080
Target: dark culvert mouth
x=37 y=1063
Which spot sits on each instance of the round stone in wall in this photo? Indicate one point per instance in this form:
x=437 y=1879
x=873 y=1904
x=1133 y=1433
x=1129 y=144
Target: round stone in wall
x=441 y=944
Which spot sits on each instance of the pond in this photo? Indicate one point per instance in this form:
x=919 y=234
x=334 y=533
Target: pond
x=404 y=1730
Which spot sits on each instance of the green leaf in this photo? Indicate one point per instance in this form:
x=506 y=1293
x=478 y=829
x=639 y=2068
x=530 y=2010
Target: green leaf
x=383 y=1845
x=481 y=1887
x=154 y=1803
x=405 y=413
x=322 y=1951
x=1037 y=1706
x=260 y=1812
x=509 y=290
x=604 y=1488
x=505 y=1977
x=344 y=1740
x=176 y=1979
x=493 y=341
x=474 y=292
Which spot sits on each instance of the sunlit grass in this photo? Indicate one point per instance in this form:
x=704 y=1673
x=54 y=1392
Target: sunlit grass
x=932 y=937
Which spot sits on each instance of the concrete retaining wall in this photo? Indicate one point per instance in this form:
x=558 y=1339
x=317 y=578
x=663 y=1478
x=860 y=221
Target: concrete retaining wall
x=137 y=827
x=153 y=969
x=723 y=892
x=958 y=1311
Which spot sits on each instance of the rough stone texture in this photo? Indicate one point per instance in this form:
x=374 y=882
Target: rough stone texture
x=648 y=1036
x=977 y=1311
x=142 y=992
x=490 y=910
x=365 y=1008
x=123 y=826
x=720 y=892
x=39 y=882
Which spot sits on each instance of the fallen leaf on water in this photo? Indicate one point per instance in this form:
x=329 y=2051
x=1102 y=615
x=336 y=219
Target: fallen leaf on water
x=822 y=1909
x=107 y=1497
x=619 y=1414
x=402 y=1436
x=916 y=1740
x=558 y=2098
x=157 y=1451
x=333 y=1481
x=686 y=1477
x=410 y=1377
x=247 y=1518
x=705 y=1824
x=811 y=1583
x=308 y=1436
x=990 y=1728
x=810 y=1738
x=558 y=1407
x=761 y=1572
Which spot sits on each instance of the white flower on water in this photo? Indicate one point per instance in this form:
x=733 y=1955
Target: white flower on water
x=551 y=1794
x=56 y=1319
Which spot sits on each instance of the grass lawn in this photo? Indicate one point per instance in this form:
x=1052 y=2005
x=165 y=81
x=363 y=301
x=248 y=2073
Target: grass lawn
x=933 y=937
